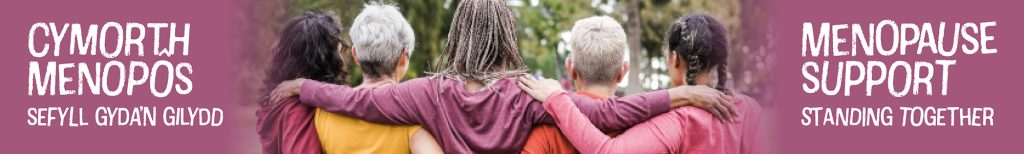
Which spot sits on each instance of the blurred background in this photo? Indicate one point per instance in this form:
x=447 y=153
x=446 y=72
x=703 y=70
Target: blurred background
x=543 y=29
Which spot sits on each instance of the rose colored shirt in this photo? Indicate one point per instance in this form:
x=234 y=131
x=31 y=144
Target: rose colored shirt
x=682 y=130
x=287 y=128
x=495 y=119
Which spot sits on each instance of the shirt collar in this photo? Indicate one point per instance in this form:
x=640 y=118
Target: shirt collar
x=591 y=94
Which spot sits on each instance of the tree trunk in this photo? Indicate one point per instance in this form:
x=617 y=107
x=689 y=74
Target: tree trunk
x=635 y=59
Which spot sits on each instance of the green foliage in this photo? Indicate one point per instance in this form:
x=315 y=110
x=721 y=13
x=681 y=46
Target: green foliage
x=540 y=24
x=430 y=20
x=539 y=28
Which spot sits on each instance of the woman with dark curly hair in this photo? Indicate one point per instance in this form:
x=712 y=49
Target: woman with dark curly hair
x=310 y=48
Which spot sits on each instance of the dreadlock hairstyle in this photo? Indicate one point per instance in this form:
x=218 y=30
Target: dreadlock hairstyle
x=481 y=43
x=308 y=48
x=701 y=41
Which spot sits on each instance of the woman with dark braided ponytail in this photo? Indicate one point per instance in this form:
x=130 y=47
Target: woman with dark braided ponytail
x=471 y=103
x=697 y=56
x=699 y=40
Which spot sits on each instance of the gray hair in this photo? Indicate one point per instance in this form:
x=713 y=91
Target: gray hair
x=379 y=34
x=598 y=46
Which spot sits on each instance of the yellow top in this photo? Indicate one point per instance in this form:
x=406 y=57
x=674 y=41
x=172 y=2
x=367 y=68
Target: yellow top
x=343 y=134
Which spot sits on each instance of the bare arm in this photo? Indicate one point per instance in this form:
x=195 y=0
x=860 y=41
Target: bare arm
x=422 y=142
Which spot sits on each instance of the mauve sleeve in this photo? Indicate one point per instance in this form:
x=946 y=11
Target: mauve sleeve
x=405 y=103
x=619 y=113
x=588 y=139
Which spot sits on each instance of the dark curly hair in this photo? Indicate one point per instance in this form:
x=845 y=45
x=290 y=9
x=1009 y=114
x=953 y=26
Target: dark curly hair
x=701 y=41
x=309 y=47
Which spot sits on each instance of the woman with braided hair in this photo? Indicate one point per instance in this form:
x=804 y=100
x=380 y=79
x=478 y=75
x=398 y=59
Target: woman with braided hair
x=471 y=103
x=698 y=56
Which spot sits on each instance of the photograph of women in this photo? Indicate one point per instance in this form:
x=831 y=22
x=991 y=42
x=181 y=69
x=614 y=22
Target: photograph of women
x=511 y=76
x=487 y=76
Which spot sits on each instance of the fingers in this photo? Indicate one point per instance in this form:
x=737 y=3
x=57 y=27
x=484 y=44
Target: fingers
x=725 y=105
x=549 y=81
x=725 y=101
x=530 y=81
x=715 y=113
x=555 y=82
x=530 y=78
x=272 y=98
x=278 y=94
x=726 y=116
x=527 y=81
x=273 y=95
x=732 y=109
x=523 y=87
x=725 y=97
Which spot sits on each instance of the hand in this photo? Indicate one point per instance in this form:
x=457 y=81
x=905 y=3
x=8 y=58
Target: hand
x=286 y=90
x=716 y=102
x=539 y=89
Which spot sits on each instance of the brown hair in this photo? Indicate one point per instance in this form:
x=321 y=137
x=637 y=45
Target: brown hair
x=308 y=48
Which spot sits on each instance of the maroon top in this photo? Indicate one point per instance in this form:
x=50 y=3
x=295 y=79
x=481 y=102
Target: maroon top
x=287 y=128
x=496 y=119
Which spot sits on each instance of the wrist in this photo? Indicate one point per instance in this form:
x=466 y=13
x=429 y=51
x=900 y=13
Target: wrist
x=553 y=94
x=298 y=86
x=679 y=103
x=679 y=96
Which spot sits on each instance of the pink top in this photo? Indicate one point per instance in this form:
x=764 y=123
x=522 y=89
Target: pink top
x=681 y=130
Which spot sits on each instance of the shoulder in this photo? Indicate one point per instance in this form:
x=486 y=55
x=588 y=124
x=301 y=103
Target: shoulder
x=507 y=85
x=285 y=109
x=746 y=101
x=292 y=106
x=429 y=79
x=422 y=82
x=743 y=103
x=746 y=105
